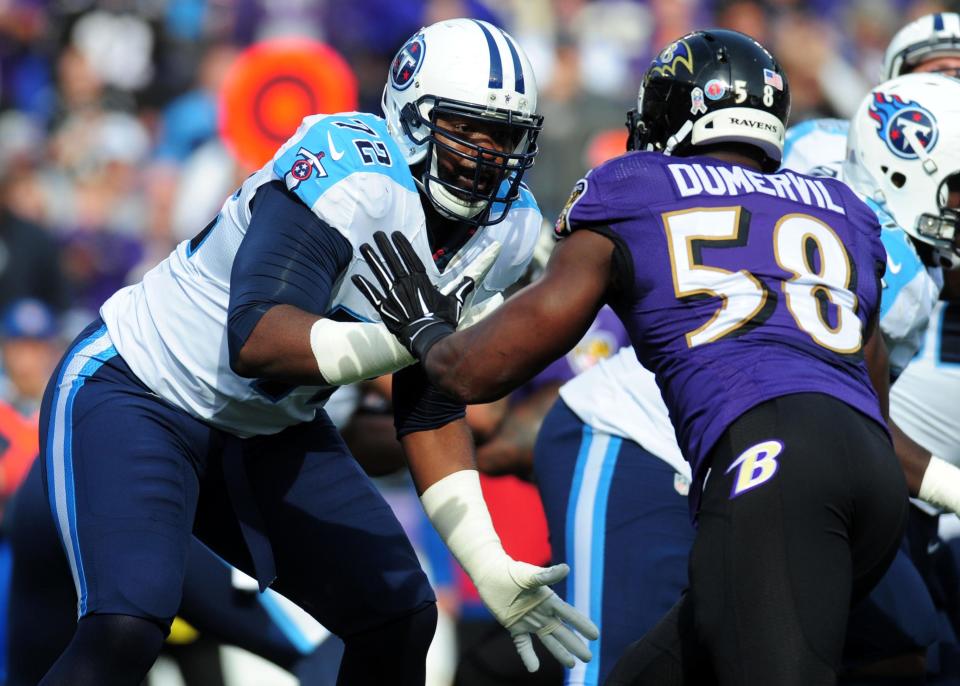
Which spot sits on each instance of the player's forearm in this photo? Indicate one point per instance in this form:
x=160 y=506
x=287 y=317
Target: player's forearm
x=292 y=345
x=928 y=477
x=498 y=354
x=473 y=368
x=914 y=458
x=441 y=463
x=436 y=454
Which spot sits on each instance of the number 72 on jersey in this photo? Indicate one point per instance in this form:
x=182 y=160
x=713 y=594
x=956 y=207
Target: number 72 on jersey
x=814 y=286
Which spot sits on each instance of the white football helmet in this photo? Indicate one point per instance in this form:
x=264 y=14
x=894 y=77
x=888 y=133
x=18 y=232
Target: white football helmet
x=903 y=152
x=933 y=35
x=470 y=69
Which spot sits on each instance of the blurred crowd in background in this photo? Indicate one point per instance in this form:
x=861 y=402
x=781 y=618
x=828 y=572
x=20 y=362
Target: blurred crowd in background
x=109 y=113
x=110 y=120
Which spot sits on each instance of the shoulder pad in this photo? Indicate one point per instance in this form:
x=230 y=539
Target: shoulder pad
x=885 y=218
x=814 y=143
x=518 y=234
x=609 y=193
x=525 y=201
x=328 y=149
x=903 y=262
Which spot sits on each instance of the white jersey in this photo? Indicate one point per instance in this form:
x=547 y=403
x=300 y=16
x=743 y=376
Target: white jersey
x=910 y=289
x=620 y=397
x=816 y=143
x=925 y=400
x=171 y=328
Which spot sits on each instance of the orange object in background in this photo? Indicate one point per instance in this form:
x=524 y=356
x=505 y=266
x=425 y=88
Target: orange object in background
x=604 y=146
x=19 y=445
x=272 y=86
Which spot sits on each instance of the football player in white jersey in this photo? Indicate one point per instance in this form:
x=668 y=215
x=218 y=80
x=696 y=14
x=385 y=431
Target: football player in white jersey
x=904 y=156
x=928 y=45
x=926 y=396
x=914 y=111
x=911 y=284
x=196 y=402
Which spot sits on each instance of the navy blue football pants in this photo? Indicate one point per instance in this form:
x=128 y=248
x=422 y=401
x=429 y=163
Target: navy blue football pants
x=130 y=477
x=618 y=516
x=43 y=604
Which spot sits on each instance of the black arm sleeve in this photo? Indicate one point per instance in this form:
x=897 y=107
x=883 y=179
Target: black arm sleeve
x=420 y=406
x=289 y=256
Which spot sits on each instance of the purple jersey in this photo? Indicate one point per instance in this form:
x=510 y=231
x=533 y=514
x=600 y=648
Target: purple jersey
x=738 y=287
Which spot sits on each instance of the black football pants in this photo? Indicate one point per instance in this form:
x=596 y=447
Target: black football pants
x=790 y=535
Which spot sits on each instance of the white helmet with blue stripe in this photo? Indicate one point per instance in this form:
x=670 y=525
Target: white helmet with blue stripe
x=930 y=36
x=467 y=69
x=903 y=152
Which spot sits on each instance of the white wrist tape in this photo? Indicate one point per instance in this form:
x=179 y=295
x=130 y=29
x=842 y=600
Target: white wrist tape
x=348 y=352
x=458 y=512
x=941 y=485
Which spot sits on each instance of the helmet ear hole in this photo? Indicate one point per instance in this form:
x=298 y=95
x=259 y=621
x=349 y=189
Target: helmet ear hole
x=898 y=179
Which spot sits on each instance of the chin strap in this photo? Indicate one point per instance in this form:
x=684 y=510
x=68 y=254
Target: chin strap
x=677 y=138
x=910 y=133
x=448 y=203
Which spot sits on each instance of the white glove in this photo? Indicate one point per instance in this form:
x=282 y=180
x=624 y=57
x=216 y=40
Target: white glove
x=515 y=592
x=545 y=615
x=348 y=352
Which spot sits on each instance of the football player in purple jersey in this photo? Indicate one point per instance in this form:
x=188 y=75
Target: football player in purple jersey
x=753 y=296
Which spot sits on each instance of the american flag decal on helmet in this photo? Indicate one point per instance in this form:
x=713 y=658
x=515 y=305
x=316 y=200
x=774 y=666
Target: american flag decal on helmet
x=772 y=78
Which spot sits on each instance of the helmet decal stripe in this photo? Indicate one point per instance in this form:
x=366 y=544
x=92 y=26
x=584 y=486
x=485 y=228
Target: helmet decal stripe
x=938 y=22
x=496 y=66
x=517 y=67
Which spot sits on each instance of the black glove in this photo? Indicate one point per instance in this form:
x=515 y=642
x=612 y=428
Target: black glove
x=410 y=306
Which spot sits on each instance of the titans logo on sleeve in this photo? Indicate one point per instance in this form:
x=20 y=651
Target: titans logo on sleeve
x=904 y=126
x=306 y=165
